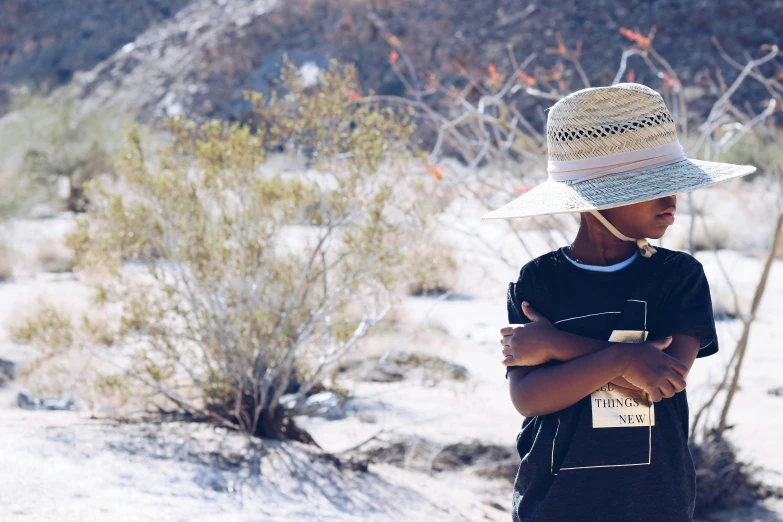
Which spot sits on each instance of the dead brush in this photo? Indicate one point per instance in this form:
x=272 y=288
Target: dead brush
x=722 y=480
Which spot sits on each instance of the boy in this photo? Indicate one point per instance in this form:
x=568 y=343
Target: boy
x=603 y=332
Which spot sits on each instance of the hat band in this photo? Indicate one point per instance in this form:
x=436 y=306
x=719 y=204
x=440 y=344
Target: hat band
x=575 y=171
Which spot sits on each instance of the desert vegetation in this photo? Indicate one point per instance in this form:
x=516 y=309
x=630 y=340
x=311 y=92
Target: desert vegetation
x=254 y=281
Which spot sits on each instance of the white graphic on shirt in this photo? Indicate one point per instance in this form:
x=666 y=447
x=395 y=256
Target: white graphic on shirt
x=613 y=406
x=617 y=407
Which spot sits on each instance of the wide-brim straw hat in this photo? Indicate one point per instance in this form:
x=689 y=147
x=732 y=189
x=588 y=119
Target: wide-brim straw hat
x=613 y=146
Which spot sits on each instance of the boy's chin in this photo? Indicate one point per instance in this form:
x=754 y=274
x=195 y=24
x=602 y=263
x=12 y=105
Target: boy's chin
x=657 y=233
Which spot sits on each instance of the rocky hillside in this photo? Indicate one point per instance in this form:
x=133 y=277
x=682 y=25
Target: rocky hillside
x=47 y=41
x=197 y=56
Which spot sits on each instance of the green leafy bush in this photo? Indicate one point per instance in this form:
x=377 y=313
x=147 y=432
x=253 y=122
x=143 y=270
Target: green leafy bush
x=250 y=276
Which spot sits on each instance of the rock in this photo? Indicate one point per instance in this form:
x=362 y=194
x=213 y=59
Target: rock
x=262 y=78
x=488 y=460
x=385 y=373
x=26 y=402
x=325 y=404
x=7 y=371
x=398 y=366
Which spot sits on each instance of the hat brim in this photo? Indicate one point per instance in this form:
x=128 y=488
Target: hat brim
x=615 y=190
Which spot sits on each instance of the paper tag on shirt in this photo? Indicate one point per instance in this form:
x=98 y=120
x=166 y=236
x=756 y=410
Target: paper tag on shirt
x=617 y=407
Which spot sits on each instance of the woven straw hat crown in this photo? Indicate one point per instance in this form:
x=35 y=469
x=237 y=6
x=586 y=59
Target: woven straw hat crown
x=603 y=121
x=613 y=146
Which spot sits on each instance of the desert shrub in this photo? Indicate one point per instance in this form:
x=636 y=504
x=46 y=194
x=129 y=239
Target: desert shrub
x=716 y=235
x=13 y=202
x=47 y=323
x=51 y=258
x=53 y=147
x=14 y=197
x=241 y=290
x=435 y=269
x=6 y=264
x=52 y=331
x=66 y=360
x=434 y=368
x=755 y=148
x=722 y=480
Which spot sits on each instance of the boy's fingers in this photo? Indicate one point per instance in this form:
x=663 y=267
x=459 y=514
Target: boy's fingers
x=677 y=381
x=667 y=390
x=509 y=329
x=530 y=312
x=679 y=367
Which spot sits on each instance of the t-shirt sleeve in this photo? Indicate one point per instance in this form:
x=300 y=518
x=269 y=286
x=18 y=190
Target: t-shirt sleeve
x=521 y=290
x=688 y=308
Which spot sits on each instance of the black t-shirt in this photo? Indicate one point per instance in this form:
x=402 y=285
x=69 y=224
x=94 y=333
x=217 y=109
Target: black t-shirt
x=614 y=455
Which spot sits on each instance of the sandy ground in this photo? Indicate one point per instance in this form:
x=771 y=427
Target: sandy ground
x=63 y=466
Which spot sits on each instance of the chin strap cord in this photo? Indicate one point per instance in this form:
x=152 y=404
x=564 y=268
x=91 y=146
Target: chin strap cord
x=647 y=250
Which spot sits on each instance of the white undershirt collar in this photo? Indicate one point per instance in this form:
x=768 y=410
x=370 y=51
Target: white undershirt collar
x=598 y=268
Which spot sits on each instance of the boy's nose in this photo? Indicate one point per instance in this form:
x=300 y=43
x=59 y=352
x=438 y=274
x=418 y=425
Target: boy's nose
x=669 y=201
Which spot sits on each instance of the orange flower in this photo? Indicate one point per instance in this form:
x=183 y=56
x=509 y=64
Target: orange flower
x=493 y=73
x=527 y=79
x=557 y=72
x=393 y=57
x=354 y=95
x=521 y=189
x=561 y=48
x=435 y=171
x=631 y=76
x=645 y=42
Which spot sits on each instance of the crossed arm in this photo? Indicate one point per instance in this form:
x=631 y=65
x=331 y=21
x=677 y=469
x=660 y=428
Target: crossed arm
x=658 y=367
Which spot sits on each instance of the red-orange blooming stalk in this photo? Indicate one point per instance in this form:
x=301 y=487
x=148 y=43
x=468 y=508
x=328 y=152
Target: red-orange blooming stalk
x=435 y=171
x=493 y=73
x=642 y=41
x=527 y=78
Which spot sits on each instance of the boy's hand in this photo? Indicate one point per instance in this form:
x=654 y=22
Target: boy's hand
x=527 y=344
x=648 y=368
